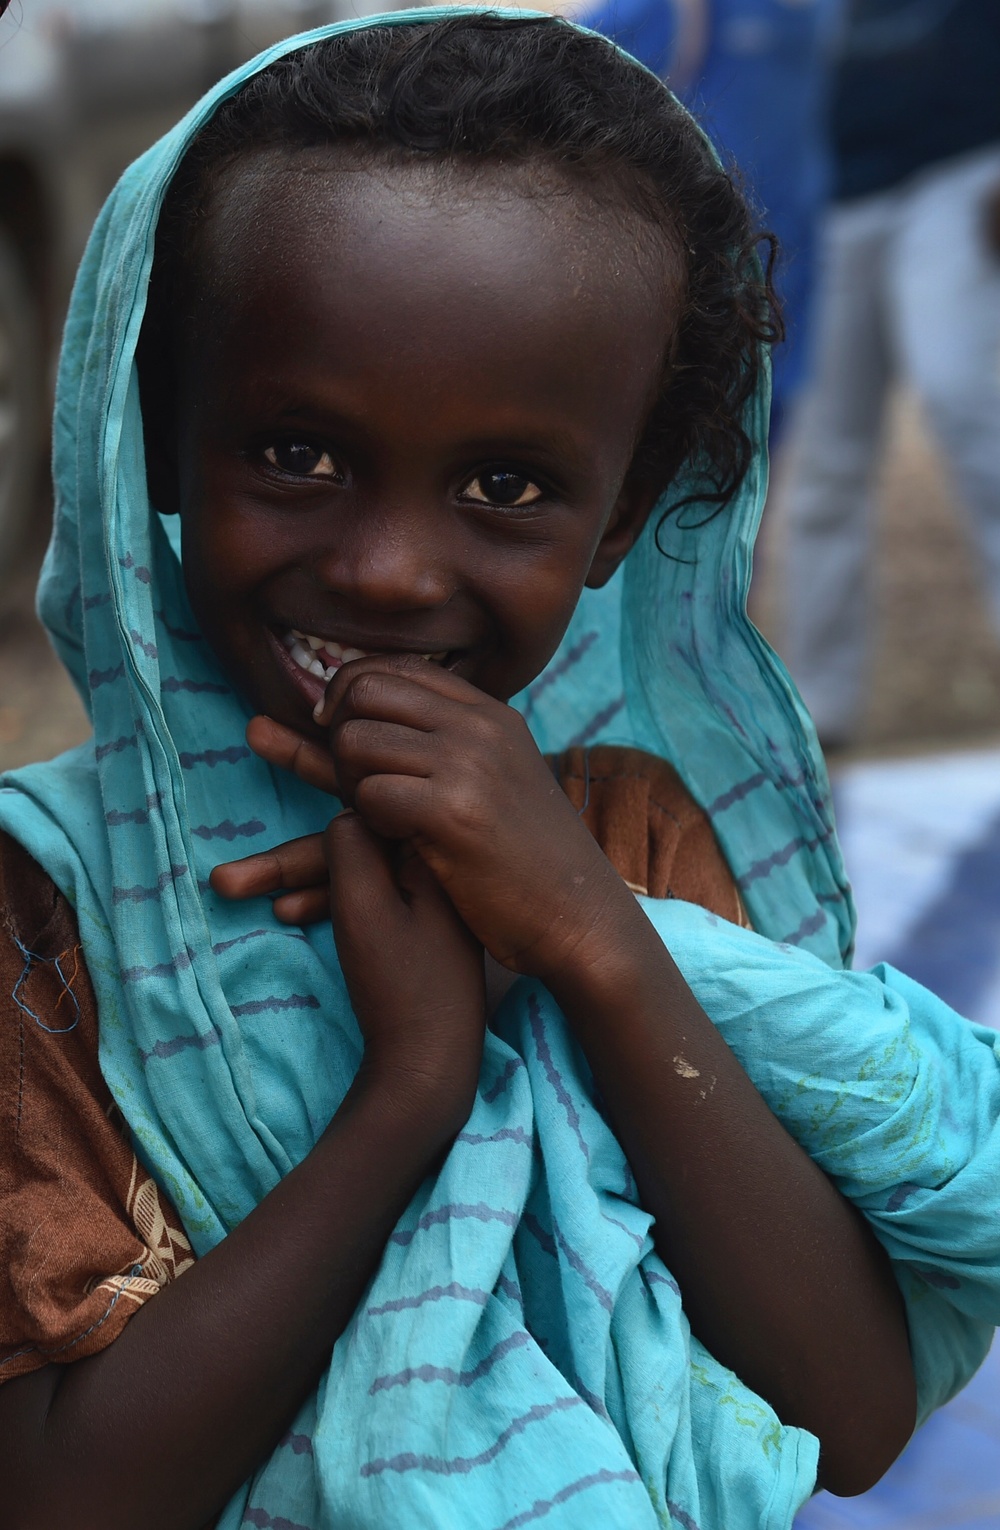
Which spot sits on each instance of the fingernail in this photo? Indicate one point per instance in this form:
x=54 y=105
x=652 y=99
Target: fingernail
x=318 y=710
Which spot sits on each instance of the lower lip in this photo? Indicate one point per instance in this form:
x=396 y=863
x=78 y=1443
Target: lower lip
x=310 y=687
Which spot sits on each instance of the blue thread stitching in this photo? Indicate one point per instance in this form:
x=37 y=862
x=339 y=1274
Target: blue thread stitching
x=37 y=1349
x=47 y=961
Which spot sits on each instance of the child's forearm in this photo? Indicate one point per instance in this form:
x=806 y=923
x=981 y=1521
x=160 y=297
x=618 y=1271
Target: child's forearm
x=161 y=1427
x=782 y=1279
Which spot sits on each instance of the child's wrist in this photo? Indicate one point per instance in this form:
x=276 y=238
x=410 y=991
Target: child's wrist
x=607 y=967
x=418 y=1095
x=595 y=943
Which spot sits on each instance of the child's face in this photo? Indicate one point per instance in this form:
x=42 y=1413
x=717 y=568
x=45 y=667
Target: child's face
x=408 y=407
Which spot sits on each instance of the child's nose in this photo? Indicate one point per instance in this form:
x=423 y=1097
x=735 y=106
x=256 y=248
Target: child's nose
x=393 y=564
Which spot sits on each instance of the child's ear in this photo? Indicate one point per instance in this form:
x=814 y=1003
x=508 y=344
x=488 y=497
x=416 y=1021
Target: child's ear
x=631 y=512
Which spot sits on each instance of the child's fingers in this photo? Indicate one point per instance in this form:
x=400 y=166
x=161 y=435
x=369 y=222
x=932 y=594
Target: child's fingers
x=282 y=746
x=421 y=674
x=309 y=906
x=395 y=807
x=298 y=863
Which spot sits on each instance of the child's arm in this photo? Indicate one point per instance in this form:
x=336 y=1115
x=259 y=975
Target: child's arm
x=782 y=1279
x=161 y=1427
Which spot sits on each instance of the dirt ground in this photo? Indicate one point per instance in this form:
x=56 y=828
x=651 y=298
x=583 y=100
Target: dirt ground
x=935 y=679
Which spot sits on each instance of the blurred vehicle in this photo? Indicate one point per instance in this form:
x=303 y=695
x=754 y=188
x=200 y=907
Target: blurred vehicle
x=84 y=88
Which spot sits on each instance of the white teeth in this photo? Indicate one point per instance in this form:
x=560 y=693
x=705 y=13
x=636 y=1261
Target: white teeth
x=313 y=653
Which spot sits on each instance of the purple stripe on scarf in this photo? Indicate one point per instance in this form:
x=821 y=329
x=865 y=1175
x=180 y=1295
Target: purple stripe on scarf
x=141 y=572
x=167 y=1049
x=445 y=1372
x=736 y=793
x=597 y=722
x=127 y=741
x=556 y=671
x=265 y=1521
x=683 y=1518
x=98 y=677
x=782 y=857
x=298 y=1444
x=149 y=649
x=141 y=894
x=114 y=818
x=510 y=1288
x=543 y=1506
x=239 y=940
x=460 y=1465
x=178 y=963
x=553 y=1242
x=275 y=1002
x=505 y=1134
x=455 y=1211
x=810 y=924
x=433 y=1294
x=552 y=1073
x=511 y=1067
x=213 y=757
x=228 y=830
x=175 y=683
x=180 y=633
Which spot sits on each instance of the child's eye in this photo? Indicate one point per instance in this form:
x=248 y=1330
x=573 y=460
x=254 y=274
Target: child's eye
x=499 y=486
x=302 y=459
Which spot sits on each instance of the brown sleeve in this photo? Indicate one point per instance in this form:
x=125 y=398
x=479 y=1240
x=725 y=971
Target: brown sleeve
x=85 y=1236
x=649 y=826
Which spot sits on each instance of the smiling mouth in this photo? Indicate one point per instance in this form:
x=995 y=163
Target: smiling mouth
x=322 y=657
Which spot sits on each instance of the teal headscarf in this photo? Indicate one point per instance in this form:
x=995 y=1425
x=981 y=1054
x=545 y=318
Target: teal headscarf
x=521 y=1353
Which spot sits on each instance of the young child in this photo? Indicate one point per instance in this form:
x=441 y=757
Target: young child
x=383 y=375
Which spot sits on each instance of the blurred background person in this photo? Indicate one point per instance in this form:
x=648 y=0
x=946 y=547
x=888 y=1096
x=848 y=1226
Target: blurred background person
x=754 y=73
x=910 y=292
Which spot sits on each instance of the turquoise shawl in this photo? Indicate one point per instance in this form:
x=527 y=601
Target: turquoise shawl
x=521 y=1353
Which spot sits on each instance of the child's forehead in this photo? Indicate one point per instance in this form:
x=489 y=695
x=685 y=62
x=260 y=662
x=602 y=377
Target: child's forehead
x=334 y=209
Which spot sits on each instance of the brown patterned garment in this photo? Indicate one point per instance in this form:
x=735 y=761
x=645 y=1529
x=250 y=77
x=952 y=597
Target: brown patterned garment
x=85 y=1235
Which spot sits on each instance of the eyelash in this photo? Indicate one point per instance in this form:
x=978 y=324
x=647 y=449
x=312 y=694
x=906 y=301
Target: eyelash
x=270 y=454
x=498 y=469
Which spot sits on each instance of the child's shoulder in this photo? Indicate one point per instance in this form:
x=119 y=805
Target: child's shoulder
x=649 y=826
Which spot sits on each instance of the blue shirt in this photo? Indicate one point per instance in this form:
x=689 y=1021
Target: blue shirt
x=759 y=88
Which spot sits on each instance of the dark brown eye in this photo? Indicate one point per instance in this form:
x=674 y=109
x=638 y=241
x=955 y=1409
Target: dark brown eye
x=500 y=487
x=302 y=459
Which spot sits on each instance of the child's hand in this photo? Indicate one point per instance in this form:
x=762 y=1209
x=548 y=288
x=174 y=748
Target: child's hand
x=424 y=757
x=467 y=784
x=295 y=871
x=413 y=971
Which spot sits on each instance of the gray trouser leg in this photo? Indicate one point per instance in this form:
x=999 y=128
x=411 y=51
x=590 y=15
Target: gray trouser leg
x=833 y=453
x=945 y=285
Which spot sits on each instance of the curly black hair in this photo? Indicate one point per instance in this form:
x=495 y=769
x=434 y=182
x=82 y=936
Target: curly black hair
x=478 y=90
